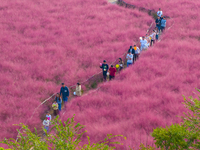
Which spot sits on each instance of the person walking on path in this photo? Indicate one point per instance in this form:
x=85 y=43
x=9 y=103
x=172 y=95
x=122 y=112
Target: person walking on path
x=46 y=124
x=159 y=13
x=105 y=68
x=158 y=23
x=132 y=52
x=48 y=115
x=153 y=37
x=121 y=64
x=78 y=90
x=64 y=92
x=143 y=44
x=147 y=37
x=55 y=108
x=129 y=58
x=58 y=99
x=157 y=33
x=137 y=52
x=112 y=71
x=163 y=24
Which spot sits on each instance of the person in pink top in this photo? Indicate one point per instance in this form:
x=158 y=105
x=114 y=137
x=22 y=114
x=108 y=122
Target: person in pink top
x=112 y=71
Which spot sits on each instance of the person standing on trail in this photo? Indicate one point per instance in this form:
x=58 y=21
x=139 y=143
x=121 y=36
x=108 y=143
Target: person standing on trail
x=129 y=58
x=153 y=37
x=48 y=115
x=112 y=71
x=137 y=52
x=157 y=33
x=143 y=44
x=78 y=90
x=46 y=124
x=64 y=92
x=159 y=13
x=158 y=22
x=58 y=99
x=105 y=68
x=163 y=24
x=121 y=64
x=132 y=52
x=147 y=37
x=55 y=108
x=161 y=17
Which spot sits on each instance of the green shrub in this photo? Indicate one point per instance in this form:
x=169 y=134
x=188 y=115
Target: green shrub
x=62 y=136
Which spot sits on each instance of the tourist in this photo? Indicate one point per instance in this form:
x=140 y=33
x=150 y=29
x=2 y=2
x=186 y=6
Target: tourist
x=46 y=124
x=157 y=33
x=153 y=37
x=121 y=64
x=55 y=108
x=78 y=90
x=158 y=22
x=48 y=115
x=163 y=24
x=137 y=52
x=64 y=92
x=147 y=37
x=58 y=99
x=161 y=17
x=143 y=44
x=159 y=13
x=129 y=58
x=105 y=68
x=132 y=52
x=112 y=71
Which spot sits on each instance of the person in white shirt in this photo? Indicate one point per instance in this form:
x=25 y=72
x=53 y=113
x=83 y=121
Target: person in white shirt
x=48 y=116
x=137 y=52
x=159 y=13
x=143 y=44
x=147 y=37
x=153 y=37
x=129 y=58
x=46 y=124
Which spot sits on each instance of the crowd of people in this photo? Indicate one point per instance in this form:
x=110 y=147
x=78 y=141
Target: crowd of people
x=132 y=56
x=134 y=52
x=57 y=103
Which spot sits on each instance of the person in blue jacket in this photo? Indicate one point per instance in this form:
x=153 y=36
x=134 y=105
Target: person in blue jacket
x=163 y=24
x=58 y=99
x=64 y=92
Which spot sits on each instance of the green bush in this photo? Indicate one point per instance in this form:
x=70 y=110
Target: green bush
x=183 y=136
x=62 y=136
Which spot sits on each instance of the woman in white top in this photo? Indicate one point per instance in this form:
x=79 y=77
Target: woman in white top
x=78 y=89
x=129 y=58
x=46 y=124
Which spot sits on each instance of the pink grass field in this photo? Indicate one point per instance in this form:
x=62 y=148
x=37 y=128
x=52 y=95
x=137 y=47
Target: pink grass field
x=150 y=93
x=44 y=43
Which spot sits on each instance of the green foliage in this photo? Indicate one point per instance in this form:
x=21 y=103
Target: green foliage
x=62 y=136
x=184 y=136
x=171 y=138
x=142 y=147
x=1 y=148
x=191 y=120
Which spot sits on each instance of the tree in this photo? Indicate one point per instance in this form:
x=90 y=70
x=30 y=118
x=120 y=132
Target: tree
x=183 y=136
x=62 y=136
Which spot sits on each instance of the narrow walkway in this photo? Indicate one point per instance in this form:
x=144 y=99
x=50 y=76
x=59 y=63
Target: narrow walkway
x=120 y=3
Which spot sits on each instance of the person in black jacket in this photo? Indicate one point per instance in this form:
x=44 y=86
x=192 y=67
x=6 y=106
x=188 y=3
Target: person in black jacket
x=64 y=93
x=158 y=23
x=132 y=52
x=105 y=68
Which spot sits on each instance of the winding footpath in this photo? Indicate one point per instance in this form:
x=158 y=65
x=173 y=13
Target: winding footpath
x=120 y=3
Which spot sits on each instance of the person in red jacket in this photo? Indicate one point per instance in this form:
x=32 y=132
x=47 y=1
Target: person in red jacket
x=112 y=71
